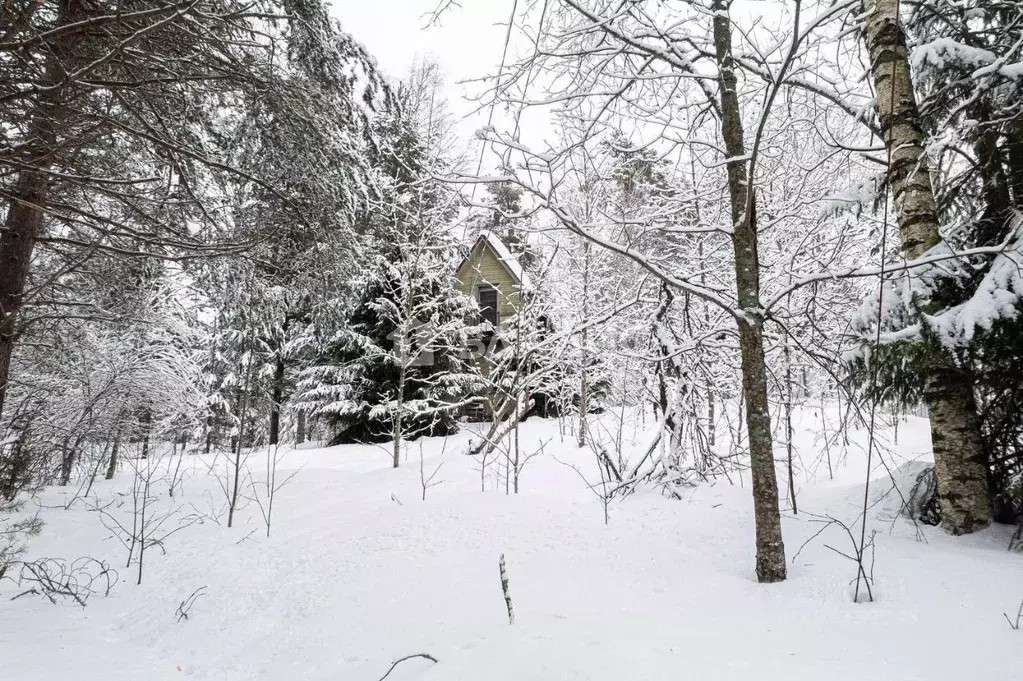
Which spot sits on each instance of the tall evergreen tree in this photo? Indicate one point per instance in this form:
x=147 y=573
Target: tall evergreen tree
x=395 y=367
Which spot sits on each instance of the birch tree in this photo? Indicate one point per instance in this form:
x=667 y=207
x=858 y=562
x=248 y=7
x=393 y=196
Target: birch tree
x=960 y=461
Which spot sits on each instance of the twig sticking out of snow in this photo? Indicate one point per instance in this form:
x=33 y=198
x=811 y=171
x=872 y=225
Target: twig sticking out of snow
x=425 y=656
x=507 y=594
x=1019 y=617
x=427 y=481
x=864 y=574
x=186 y=605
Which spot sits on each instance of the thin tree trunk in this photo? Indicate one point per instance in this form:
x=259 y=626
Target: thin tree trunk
x=300 y=427
x=827 y=443
x=277 y=389
x=584 y=357
x=134 y=515
x=112 y=467
x=142 y=522
x=396 y=442
x=397 y=420
x=711 y=420
x=960 y=461
x=788 y=428
x=240 y=438
x=1014 y=161
x=67 y=461
x=515 y=460
x=276 y=395
x=94 y=472
x=770 y=547
x=209 y=431
x=146 y=421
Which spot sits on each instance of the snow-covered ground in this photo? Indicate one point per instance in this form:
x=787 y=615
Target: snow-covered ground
x=359 y=571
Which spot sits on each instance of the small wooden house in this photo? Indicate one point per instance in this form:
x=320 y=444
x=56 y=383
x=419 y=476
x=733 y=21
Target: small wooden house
x=492 y=275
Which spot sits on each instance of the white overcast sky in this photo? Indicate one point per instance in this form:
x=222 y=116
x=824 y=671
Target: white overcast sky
x=467 y=44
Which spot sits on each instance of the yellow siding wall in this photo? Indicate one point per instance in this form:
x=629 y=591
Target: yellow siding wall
x=483 y=267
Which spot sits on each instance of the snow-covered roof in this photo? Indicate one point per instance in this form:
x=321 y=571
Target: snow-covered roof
x=505 y=256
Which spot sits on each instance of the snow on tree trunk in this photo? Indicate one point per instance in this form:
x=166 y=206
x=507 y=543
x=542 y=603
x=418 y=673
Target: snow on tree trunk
x=396 y=442
x=1014 y=155
x=960 y=465
x=770 y=547
x=583 y=356
x=403 y=350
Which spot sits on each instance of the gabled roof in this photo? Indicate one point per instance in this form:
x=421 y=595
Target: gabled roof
x=504 y=256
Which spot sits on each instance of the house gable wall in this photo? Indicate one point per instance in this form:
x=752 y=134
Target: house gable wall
x=483 y=267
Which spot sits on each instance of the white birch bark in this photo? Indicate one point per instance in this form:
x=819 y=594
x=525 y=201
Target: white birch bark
x=959 y=459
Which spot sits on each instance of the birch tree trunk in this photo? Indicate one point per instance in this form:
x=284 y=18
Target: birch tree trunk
x=397 y=424
x=770 y=547
x=959 y=460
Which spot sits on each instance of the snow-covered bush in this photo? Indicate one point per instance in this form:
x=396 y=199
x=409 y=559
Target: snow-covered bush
x=96 y=387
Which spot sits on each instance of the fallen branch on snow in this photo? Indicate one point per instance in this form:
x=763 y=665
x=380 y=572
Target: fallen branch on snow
x=425 y=656
x=186 y=605
x=57 y=579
